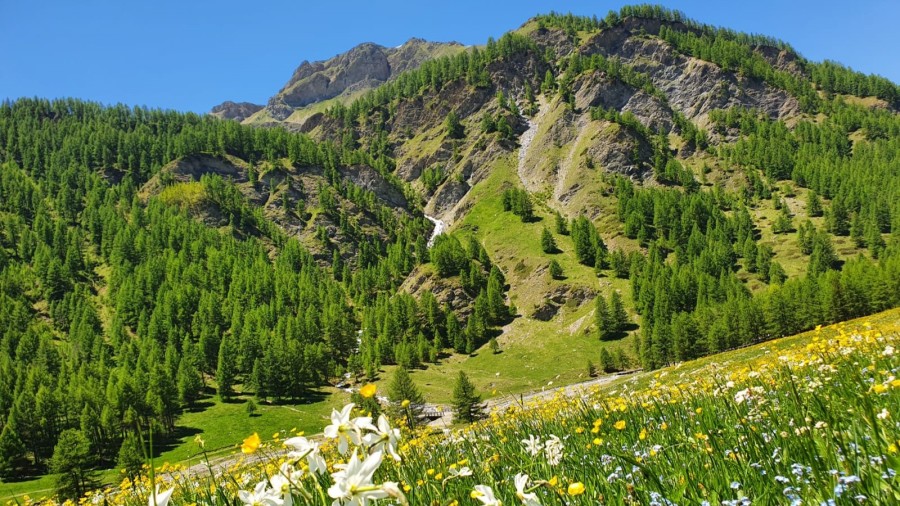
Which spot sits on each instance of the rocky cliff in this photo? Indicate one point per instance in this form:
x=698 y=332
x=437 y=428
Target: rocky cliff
x=238 y=111
x=361 y=68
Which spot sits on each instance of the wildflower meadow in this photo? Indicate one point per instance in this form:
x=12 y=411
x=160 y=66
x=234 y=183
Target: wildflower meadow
x=809 y=421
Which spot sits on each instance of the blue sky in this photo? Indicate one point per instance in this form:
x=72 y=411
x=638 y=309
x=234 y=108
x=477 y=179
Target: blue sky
x=191 y=54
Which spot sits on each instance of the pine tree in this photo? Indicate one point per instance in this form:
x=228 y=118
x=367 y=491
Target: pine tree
x=190 y=383
x=556 y=271
x=454 y=128
x=11 y=449
x=131 y=456
x=467 y=405
x=406 y=399
x=607 y=363
x=561 y=224
x=603 y=319
x=226 y=369
x=73 y=461
x=617 y=313
x=548 y=245
x=813 y=204
x=783 y=223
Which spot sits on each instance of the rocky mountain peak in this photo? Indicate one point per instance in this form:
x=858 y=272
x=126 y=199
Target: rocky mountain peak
x=238 y=111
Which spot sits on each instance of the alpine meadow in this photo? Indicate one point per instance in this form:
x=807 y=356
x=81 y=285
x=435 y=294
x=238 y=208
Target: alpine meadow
x=630 y=259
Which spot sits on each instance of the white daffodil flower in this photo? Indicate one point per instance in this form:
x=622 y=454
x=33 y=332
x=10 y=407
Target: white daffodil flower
x=160 y=498
x=353 y=483
x=281 y=484
x=528 y=499
x=533 y=445
x=303 y=447
x=345 y=430
x=461 y=472
x=485 y=494
x=261 y=496
x=383 y=438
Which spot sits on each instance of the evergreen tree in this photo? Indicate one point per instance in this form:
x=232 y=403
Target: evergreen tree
x=11 y=449
x=190 y=383
x=466 y=402
x=607 y=363
x=561 y=224
x=406 y=399
x=556 y=270
x=783 y=223
x=813 y=204
x=548 y=245
x=454 y=128
x=74 y=462
x=603 y=319
x=226 y=369
x=617 y=313
x=131 y=456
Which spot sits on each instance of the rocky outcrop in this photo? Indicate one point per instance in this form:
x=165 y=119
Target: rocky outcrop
x=559 y=297
x=361 y=68
x=367 y=178
x=693 y=87
x=238 y=111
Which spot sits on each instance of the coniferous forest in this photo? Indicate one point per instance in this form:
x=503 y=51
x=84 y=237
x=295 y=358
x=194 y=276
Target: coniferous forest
x=129 y=292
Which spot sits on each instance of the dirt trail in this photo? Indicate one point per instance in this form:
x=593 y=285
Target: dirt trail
x=501 y=403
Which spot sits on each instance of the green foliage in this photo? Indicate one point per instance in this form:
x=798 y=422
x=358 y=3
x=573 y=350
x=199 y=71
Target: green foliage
x=556 y=270
x=833 y=77
x=131 y=457
x=560 y=224
x=454 y=128
x=402 y=390
x=448 y=255
x=467 y=405
x=519 y=203
x=610 y=316
x=73 y=461
x=432 y=177
x=548 y=244
x=589 y=247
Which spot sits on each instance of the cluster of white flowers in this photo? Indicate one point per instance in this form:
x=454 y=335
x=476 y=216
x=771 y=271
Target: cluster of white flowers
x=748 y=393
x=353 y=485
x=485 y=494
x=552 y=448
x=275 y=491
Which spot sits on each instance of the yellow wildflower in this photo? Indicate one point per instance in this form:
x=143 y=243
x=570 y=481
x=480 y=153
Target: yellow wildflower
x=251 y=444
x=576 y=488
x=368 y=390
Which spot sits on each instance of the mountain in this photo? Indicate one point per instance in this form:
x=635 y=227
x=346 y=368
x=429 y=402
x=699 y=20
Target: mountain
x=642 y=188
x=236 y=111
x=360 y=69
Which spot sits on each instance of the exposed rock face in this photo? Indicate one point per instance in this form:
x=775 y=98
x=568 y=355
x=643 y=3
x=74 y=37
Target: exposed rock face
x=694 y=87
x=238 y=111
x=559 y=297
x=366 y=177
x=361 y=68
